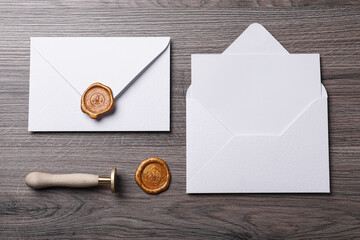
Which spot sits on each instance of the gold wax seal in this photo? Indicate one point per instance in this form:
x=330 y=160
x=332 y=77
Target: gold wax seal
x=153 y=175
x=97 y=99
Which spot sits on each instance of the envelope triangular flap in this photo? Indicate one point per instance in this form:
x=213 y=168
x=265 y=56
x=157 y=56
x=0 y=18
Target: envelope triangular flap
x=255 y=40
x=113 y=61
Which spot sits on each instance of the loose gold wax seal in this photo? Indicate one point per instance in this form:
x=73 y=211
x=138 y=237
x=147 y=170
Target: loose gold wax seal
x=97 y=99
x=153 y=175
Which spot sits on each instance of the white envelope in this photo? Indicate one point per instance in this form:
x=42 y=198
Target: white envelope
x=230 y=148
x=136 y=69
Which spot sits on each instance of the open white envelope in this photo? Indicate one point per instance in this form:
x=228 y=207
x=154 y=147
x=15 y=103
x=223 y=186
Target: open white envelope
x=249 y=137
x=137 y=69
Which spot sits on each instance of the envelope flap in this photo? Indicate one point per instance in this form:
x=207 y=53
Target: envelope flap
x=256 y=40
x=112 y=61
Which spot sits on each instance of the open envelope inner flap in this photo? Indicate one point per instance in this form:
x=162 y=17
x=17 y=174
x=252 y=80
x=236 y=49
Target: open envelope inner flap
x=256 y=94
x=255 y=40
x=114 y=62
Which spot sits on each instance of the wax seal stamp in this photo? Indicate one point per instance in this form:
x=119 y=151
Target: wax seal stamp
x=153 y=175
x=96 y=100
x=38 y=180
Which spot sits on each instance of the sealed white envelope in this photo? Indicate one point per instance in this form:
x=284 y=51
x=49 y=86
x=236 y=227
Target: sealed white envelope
x=137 y=69
x=256 y=120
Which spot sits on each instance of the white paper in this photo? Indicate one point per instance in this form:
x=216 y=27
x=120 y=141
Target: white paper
x=136 y=69
x=256 y=94
x=238 y=142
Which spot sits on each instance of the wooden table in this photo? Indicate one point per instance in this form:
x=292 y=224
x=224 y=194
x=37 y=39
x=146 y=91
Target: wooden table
x=331 y=28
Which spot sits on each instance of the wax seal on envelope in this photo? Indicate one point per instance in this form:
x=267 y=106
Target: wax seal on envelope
x=153 y=175
x=96 y=100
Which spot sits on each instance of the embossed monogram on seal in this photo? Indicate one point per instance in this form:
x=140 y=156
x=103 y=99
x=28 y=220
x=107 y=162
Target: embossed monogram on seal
x=96 y=100
x=153 y=175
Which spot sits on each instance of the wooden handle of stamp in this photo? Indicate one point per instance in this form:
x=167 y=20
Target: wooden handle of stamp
x=39 y=180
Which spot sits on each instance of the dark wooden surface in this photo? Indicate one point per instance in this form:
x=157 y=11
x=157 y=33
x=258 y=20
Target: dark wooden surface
x=331 y=28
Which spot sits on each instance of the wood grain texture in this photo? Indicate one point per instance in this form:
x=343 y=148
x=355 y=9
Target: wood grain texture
x=195 y=27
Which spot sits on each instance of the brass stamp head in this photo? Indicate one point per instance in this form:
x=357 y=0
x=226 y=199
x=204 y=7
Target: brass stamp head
x=96 y=100
x=153 y=175
x=109 y=180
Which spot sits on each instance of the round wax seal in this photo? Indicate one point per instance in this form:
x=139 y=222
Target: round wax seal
x=97 y=99
x=153 y=175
